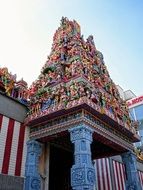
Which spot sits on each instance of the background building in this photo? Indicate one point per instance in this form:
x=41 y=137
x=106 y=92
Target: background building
x=125 y=95
x=136 y=113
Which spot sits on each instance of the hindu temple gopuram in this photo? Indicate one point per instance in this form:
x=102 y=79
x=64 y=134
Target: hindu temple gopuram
x=75 y=104
x=75 y=116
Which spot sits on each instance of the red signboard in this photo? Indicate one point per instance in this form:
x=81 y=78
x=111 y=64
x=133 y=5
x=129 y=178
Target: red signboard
x=135 y=101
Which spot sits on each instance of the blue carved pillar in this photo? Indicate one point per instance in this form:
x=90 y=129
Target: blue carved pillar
x=132 y=178
x=83 y=171
x=32 y=177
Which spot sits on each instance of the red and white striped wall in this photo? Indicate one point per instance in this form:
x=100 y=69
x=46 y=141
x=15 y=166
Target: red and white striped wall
x=110 y=174
x=119 y=175
x=13 y=137
x=103 y=174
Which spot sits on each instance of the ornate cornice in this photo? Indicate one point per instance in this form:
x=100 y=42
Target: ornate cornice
x=66 y=122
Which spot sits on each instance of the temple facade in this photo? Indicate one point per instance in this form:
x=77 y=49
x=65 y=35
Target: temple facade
x=66 y=130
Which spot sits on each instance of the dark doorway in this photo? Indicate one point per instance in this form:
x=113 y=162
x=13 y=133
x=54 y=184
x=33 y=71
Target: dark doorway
x=60 y=164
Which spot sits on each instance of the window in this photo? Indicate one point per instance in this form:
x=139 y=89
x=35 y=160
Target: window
x=139 y=112
x=131 y=112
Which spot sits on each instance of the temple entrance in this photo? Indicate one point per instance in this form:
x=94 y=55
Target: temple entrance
x=61 y=162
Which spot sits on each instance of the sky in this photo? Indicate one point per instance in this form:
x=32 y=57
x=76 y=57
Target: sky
x=27 y=28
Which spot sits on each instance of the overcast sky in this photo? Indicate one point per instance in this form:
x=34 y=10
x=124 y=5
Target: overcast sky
x=27 y=28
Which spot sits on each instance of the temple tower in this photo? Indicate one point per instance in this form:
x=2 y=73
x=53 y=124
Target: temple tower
x=75 y=109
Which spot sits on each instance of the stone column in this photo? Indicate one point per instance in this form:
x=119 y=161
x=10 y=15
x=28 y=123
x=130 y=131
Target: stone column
x=132 y=178
x=32 y=177
x=83 y=171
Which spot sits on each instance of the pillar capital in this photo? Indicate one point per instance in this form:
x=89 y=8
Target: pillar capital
x=80 y=132
x=33 y=147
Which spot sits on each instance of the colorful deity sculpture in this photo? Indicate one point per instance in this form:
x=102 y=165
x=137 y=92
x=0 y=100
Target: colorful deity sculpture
x=11 y=87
